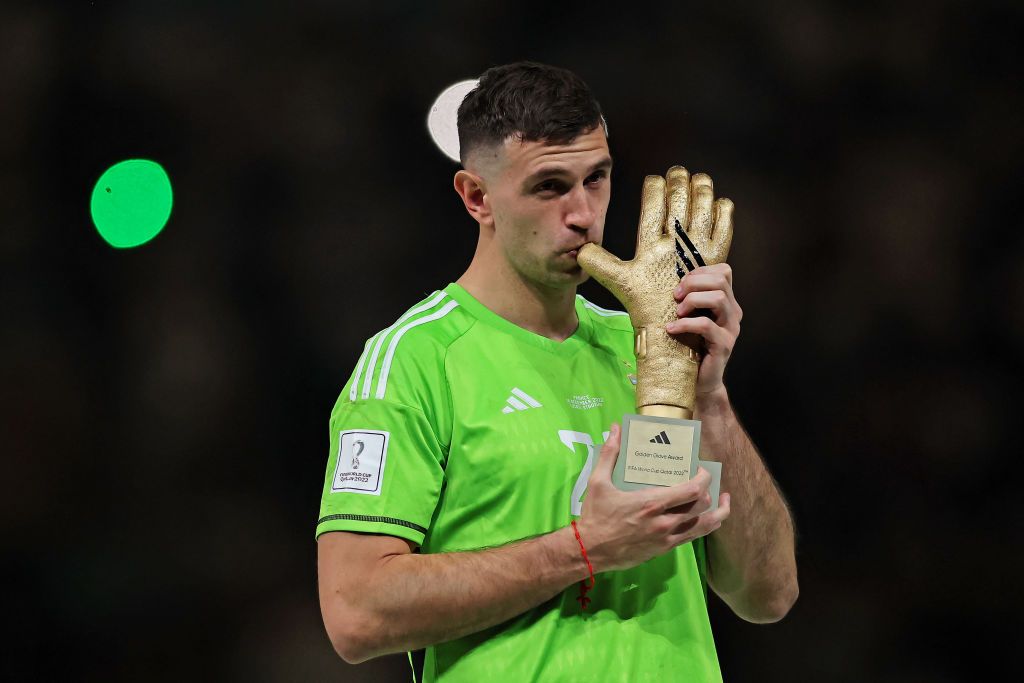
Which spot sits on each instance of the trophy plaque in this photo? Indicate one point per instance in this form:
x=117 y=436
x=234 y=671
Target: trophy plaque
x=681 y=228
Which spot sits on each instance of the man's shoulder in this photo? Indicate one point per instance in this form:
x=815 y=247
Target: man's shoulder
x=414 y=345
x=433 y=322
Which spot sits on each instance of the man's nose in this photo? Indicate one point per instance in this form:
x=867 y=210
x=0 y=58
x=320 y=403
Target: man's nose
x=582 y=211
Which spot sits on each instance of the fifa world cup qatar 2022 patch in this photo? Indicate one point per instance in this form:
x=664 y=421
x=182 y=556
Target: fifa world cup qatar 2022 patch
x=362 y=454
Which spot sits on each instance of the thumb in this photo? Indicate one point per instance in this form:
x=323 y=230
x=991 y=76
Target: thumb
x=604 y=266
x=608 y=455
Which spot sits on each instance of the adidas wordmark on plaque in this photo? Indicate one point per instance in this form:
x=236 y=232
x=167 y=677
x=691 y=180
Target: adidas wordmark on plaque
x=520 y=400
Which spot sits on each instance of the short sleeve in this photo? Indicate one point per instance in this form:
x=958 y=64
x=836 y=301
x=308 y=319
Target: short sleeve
x=385 y=470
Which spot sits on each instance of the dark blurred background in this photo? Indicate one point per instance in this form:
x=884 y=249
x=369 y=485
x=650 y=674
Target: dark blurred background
x=164 y=409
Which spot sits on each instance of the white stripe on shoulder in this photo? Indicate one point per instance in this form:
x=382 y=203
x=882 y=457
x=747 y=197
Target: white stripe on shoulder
x=430 y=303
x=382 y=382
x=604 y=312
x=359 y=368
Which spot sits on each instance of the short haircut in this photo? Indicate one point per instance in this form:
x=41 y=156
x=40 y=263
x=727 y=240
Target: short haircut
x=533 y=102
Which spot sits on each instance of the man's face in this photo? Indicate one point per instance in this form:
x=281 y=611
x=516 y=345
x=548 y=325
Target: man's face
x=547 y=201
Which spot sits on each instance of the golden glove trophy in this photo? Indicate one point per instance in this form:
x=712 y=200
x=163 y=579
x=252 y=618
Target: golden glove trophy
x=681 y=227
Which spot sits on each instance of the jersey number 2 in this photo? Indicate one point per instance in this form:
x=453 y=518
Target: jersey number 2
x=570 y=439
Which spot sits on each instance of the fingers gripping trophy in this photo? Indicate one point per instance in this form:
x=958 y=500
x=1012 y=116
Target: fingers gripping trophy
x=682 y=227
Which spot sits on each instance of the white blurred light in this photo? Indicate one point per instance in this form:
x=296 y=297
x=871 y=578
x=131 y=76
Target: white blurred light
x=442 y=121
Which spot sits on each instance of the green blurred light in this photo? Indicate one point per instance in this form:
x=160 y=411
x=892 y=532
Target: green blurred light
x=131 y=202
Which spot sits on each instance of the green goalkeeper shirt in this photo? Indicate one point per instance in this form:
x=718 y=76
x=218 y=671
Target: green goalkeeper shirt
x=459 y=430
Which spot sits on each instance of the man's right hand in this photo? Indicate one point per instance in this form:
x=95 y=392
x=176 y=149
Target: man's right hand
x=621 y=529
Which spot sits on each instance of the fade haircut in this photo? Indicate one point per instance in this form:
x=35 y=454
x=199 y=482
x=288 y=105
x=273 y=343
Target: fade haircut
x=530 y=101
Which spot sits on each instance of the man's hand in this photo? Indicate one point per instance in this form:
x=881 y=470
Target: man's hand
x=622 y=529
x=708 y=290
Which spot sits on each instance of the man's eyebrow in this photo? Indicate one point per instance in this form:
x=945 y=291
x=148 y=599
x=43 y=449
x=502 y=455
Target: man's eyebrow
x=557 y=170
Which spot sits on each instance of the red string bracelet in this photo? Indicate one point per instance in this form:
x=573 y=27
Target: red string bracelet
x=583 y=599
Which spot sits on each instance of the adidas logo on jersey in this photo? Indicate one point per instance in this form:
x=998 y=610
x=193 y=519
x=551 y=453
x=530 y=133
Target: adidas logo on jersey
x=661 y=438
x=520 y=400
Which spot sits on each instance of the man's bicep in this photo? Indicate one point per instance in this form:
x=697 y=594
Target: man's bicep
x=346 y=555
x=346 y=565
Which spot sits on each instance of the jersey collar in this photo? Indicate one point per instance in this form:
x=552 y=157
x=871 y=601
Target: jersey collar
x=580 y=338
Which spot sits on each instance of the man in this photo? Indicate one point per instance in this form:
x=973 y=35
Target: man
x=464 y=444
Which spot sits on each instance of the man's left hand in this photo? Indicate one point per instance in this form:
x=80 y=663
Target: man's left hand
x=708 y=289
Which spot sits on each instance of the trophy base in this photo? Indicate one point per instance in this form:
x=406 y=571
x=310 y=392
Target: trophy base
x=661 y=451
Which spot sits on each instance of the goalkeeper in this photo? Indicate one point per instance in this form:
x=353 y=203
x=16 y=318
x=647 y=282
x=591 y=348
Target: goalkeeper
x=468 y=497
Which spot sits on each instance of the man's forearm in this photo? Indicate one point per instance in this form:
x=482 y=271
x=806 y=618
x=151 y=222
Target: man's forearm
x=752 y=563
x=418 y=600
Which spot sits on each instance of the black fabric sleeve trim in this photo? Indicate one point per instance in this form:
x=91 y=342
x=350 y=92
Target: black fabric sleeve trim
x=375 y=519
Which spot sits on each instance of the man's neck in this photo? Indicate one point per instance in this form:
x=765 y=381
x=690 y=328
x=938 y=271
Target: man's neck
x=545 y=311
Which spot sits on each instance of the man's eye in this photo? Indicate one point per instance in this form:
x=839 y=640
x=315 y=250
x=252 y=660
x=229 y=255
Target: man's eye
x=596 y=177
x=549 y=186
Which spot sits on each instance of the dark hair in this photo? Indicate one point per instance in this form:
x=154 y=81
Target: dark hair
x=532 y=101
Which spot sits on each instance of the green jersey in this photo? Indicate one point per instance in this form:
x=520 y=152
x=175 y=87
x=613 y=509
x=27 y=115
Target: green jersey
x=459 y=430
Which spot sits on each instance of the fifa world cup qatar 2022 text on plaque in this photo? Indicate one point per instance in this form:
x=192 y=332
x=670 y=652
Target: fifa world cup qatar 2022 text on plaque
x=681 y=228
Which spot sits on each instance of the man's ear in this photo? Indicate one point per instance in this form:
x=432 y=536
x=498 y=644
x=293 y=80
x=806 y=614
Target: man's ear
x=471 y=189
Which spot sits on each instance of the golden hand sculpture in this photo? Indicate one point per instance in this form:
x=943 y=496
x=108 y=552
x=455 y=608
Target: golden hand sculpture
x=682 y=227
